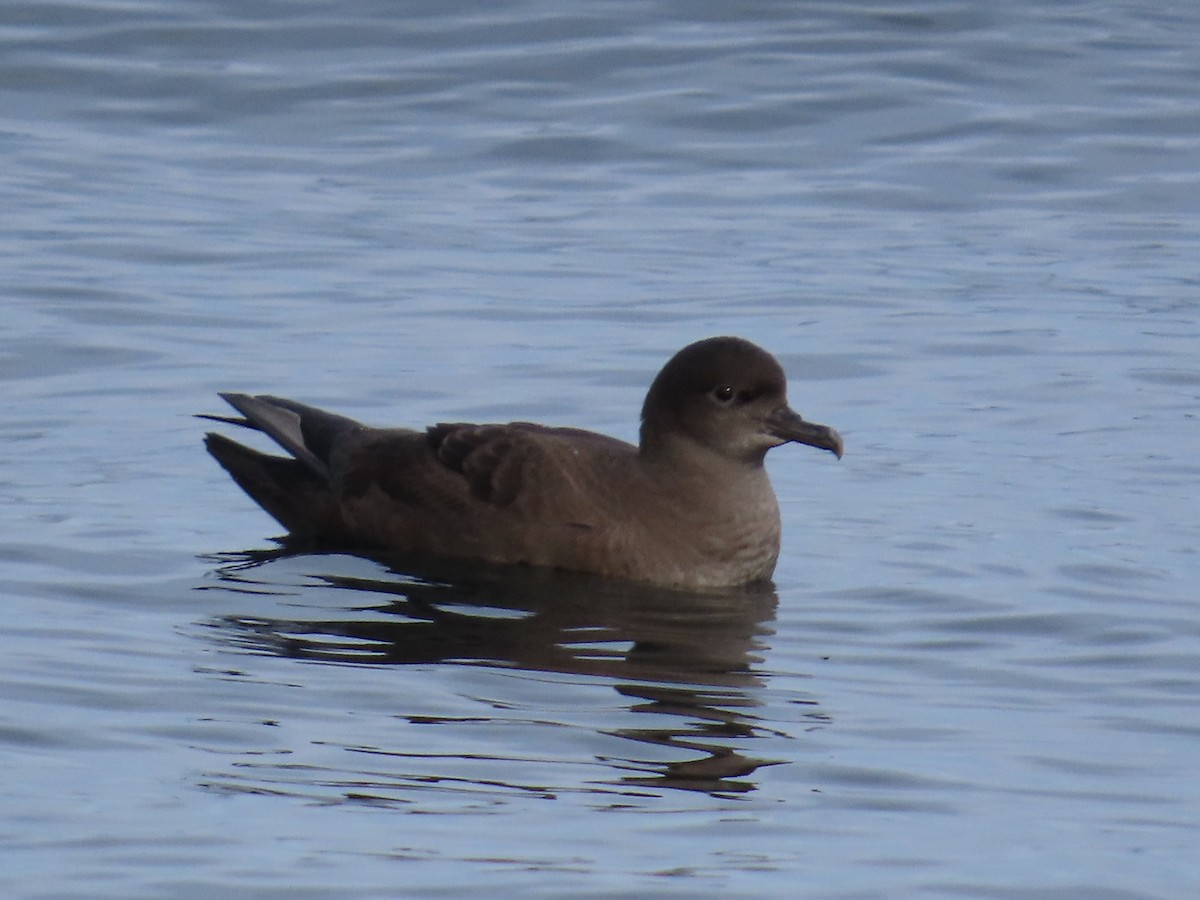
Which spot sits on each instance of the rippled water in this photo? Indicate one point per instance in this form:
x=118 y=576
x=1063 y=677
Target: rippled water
x=969 y=231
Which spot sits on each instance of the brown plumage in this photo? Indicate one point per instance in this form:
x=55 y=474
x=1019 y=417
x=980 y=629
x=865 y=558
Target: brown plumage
x=691 y=506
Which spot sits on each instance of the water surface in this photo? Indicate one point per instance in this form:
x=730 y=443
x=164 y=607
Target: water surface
x=968 y=231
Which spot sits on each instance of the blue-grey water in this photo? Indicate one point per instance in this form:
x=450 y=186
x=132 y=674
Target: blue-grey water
x=971 y=233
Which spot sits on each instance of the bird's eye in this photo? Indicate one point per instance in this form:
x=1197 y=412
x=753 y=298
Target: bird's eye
x=723 y=394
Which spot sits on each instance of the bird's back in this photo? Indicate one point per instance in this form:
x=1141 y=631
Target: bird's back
x=514 y=493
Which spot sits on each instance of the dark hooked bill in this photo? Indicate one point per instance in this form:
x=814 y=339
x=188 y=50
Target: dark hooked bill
x=787 y=425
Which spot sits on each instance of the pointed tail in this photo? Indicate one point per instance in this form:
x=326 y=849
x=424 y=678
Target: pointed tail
x=299 y=499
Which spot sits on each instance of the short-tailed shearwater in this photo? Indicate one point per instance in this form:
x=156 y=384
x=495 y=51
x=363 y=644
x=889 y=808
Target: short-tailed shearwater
x=689 y=507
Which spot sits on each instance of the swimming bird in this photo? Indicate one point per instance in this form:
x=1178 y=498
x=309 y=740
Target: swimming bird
x=689 y=507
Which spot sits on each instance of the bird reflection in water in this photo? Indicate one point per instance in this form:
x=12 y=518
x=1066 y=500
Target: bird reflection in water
x=686 y=658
